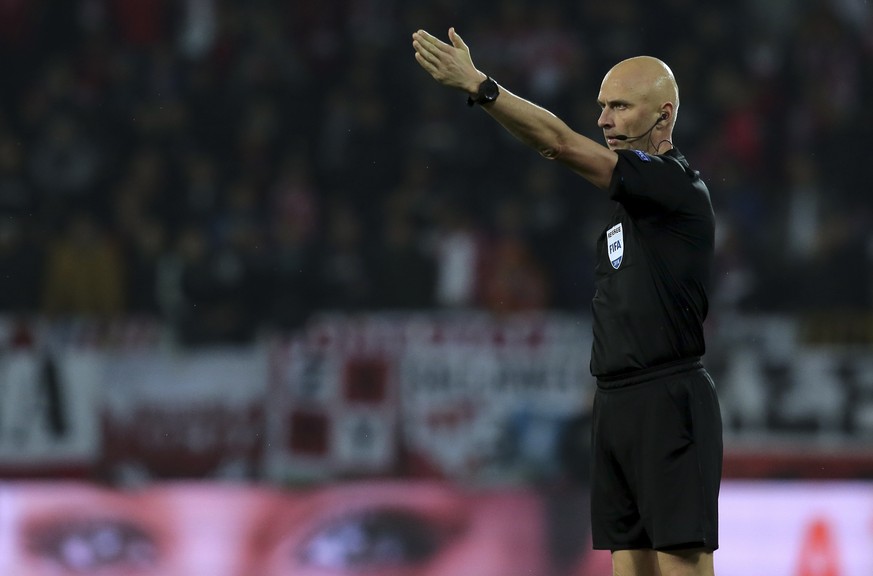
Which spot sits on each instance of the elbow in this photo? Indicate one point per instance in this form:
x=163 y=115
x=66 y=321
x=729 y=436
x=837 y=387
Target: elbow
x=550 y=152
x=553 y=145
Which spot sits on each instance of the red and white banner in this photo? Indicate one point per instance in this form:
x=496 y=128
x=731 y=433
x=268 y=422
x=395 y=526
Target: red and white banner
x=466 y=396
x=333 y=409
x=482 y=409
x=197 y=415
x=490 y=398
x=49 y=411
x=433 y=395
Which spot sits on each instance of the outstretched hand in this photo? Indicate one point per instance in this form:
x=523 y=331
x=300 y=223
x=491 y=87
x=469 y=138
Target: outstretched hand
x=450 y=65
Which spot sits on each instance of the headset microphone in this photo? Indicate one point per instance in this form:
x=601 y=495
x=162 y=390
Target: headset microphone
x=623 y=137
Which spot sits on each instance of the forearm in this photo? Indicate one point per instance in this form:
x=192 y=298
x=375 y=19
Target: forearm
x=451 y=65
x=529 y=123
x=552 y=138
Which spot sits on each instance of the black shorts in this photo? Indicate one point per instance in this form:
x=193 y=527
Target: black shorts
x=656 y=462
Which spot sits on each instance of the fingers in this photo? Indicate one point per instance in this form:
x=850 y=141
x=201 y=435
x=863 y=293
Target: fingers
x=457 y=42
x=427 y=50
x=425 y=56
x=428 y=67
x=442 y=61
x=428 y=41
x=419 y=43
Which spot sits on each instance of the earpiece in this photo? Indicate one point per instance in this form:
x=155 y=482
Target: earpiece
x=626 y=138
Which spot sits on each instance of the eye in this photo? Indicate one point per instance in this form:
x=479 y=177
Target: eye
x=88 y=546
x=378 y=538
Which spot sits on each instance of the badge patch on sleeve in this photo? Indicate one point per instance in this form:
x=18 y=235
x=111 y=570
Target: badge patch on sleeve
x=643 y=156
x=615 y=245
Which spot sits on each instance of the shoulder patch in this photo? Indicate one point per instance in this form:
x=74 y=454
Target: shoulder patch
x=643 y=156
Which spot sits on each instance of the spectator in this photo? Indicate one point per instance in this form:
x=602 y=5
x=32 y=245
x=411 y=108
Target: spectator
x=344 y=272
x=84 y=274
x=145 y=246
x=21 y=261
x=458 y=246
x=513 y=279
x=405 y=269
x=65 y=163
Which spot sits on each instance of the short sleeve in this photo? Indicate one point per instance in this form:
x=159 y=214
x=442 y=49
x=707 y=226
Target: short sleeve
x=643 y=181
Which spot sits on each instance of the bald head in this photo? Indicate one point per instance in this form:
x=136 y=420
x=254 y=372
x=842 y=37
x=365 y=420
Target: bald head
x=646 y=81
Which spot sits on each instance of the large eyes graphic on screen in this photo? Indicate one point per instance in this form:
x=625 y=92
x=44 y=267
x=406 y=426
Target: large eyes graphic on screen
x=375 y=538
x=94 y=547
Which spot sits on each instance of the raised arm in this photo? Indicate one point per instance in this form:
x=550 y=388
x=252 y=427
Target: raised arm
x=452 y=65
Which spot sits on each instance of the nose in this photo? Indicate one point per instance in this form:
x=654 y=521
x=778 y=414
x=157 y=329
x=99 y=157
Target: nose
x=604 y=121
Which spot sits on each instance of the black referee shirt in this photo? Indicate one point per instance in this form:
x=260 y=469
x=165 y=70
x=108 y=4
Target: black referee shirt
x=654 y=259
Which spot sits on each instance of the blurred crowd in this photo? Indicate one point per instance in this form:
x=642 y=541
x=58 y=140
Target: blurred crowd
x=232 y=166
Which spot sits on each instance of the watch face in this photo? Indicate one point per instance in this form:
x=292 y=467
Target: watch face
x=489 y=90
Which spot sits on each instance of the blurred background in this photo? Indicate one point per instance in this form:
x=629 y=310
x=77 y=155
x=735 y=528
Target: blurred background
x=254 y=241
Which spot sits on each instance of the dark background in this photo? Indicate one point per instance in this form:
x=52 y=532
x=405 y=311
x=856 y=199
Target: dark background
x=232 y=167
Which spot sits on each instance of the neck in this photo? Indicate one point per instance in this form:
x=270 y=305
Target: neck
x=663 y=146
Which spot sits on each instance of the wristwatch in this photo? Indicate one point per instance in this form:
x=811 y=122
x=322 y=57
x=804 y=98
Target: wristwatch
x=488 y=92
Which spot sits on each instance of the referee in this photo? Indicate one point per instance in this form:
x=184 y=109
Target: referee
x=656 y=423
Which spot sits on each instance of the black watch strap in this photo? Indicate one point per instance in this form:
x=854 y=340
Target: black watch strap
x=488 y=92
